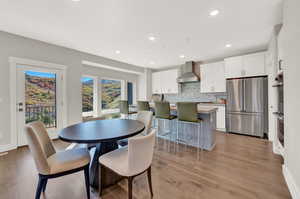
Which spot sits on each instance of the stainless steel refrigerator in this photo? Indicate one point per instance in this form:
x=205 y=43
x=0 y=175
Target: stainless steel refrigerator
x=247 y=106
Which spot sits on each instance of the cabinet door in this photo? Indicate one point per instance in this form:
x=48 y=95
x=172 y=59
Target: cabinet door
x=168 y=81
x=234 y=67
x=219 y=77
x=206 y=78
x=172 y=78
x=254 y=64
x=156 y=83
x=163 y=82
x=221 y=118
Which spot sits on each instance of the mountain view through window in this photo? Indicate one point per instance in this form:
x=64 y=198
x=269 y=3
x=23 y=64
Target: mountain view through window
x=110 y=94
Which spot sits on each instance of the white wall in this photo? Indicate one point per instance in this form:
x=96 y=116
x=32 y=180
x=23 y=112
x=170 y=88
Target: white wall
x=17 y=46
x=291 y=56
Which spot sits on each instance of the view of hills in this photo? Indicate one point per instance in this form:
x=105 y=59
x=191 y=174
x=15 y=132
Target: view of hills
x=40 y=98
x=111 y=94
x=40 y=90
x=87 y=95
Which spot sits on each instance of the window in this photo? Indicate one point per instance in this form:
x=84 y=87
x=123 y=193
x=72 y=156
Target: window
x=110 y=94
x=88 y=87
x=40 y=98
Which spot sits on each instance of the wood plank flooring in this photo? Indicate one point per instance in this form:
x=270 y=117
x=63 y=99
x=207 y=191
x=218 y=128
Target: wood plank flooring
x=239 y=167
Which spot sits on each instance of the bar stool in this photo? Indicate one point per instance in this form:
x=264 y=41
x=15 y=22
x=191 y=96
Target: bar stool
x=188 y=115
x=124 y=109
x=143 y=106
x=162 y=112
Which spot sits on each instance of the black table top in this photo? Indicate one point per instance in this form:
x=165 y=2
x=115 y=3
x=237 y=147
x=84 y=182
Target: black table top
x=101 y=131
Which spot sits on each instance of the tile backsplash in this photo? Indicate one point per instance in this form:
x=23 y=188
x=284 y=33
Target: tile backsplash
x=191 y=92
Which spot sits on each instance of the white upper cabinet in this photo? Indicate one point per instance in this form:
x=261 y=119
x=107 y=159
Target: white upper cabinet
x=234 y=67
x=245 y=66
x=156 y=83
x=254 y=64
x=212 y=78
x=165 y=82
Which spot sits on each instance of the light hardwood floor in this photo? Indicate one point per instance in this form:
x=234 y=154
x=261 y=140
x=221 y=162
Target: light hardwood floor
x=239 y=167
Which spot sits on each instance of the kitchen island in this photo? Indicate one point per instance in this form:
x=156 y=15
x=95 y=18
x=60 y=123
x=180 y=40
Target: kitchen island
x=188 y=133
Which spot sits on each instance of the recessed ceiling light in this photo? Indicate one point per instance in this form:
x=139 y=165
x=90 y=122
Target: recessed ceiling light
x=118 y=52
x=214 y=12
x=181 y=56
x=152 y=63
x=228 y=45
x=151 y=38
x=75 y=0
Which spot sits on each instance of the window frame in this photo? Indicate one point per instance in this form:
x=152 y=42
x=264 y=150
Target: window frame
x=93 y=113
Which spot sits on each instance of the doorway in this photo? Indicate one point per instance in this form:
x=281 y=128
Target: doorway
x=39 y=97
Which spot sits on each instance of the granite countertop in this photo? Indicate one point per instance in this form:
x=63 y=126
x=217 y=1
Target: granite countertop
x=206 y=108
x=211 y=104
x=201 y=109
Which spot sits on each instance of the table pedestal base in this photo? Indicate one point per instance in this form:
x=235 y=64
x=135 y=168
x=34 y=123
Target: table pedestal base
x=109 y=177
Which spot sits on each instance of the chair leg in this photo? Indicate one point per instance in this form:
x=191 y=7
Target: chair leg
x=45 y=185
x=150 y=181
x=130 y=179
x=100 y=181
x=87 y=181
x=40 y=187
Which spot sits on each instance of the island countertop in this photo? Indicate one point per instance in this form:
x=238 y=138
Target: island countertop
x=201 y=109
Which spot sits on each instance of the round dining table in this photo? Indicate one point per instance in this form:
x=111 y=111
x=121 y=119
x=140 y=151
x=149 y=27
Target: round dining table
x=104 y=134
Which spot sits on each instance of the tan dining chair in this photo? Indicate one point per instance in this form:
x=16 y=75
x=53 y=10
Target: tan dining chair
x=145 y=117
x=131 y=161
x=53 y=164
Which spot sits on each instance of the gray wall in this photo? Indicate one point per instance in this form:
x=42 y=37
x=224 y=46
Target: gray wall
x=17 y=46
x=291 y=55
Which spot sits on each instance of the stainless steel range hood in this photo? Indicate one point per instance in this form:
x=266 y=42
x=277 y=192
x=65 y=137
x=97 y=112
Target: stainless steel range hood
x=188 y=72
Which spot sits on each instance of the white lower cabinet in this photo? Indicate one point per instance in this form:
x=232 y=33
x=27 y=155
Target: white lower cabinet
x=221 y=118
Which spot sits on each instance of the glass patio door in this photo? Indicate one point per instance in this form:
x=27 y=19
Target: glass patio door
x=39 y=98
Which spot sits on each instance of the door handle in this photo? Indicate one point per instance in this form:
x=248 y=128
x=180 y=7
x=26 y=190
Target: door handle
x=20 y=106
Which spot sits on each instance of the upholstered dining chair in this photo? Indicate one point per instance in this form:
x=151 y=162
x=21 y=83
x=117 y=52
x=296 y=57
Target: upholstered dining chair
x=146 y=118
x=131 y=161
x=53 y=164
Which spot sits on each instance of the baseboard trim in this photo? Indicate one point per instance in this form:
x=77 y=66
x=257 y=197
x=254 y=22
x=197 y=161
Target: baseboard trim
x=8 y=147
x=294 y=190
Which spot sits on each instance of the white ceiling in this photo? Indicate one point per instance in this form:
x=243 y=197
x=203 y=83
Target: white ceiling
x=181 y=26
